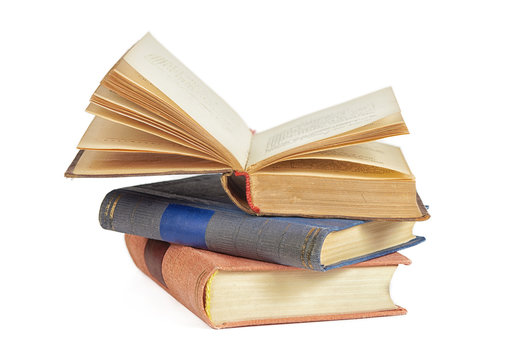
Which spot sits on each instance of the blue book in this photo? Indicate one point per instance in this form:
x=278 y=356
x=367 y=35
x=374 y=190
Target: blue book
x=197 y=212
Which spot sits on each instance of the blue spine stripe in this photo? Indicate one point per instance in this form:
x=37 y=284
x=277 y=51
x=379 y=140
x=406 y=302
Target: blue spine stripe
x=185 y=225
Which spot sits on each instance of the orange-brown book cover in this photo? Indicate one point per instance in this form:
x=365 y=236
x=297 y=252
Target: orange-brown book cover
x=184 y=272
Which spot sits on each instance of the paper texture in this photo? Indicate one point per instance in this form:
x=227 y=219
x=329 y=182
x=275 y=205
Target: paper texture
x=366 y=160
x=323 y=124
x=93 y=163
x=163 y=70
x=108 y=135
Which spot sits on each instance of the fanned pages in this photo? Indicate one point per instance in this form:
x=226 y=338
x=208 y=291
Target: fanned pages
x=154 y=116
x=339 y=125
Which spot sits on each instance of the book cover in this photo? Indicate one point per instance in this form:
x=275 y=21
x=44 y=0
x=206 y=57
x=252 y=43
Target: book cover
x=196 y=212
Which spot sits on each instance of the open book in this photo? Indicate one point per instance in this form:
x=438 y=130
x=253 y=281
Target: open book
x=153 y=116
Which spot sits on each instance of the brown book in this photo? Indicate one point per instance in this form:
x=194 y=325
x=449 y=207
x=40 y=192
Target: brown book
x=154 y=116
x=226 y=291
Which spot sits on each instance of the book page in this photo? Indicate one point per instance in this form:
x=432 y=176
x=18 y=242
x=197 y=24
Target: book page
x=169 y=75
x=331 y=169
x=110 y=101
x=91 y=163
x=108 y=135
x=145 y=127
x=323 y=124
x=371 y=154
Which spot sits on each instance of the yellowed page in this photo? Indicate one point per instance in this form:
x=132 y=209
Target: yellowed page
x=110 y=163
x=149 y=128
x=114 y=102
x=103 y=134
x=108 y=105
x=163 y=70
x=373 y=154
x=323 y=124
x=250 y=295
x=332 y=169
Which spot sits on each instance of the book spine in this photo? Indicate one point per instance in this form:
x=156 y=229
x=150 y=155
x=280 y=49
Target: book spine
x=230 y=232
x=181 y=272
x=248 y=191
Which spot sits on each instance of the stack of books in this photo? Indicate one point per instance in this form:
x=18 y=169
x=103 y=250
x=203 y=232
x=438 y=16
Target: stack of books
x=301 y=222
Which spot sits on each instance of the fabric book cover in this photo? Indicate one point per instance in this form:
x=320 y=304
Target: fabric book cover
x=265 y=293
x=197 y=212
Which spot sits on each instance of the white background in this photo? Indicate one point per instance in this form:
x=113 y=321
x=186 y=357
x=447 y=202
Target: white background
x=69 y=288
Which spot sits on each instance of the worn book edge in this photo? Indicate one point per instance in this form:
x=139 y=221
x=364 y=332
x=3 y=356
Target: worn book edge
x=243 y=200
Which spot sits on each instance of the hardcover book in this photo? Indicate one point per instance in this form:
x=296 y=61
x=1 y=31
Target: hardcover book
x=226 y=291
x=198 y=213
x=154 y=116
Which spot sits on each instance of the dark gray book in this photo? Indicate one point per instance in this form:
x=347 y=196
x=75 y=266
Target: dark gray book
x=197 y=212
